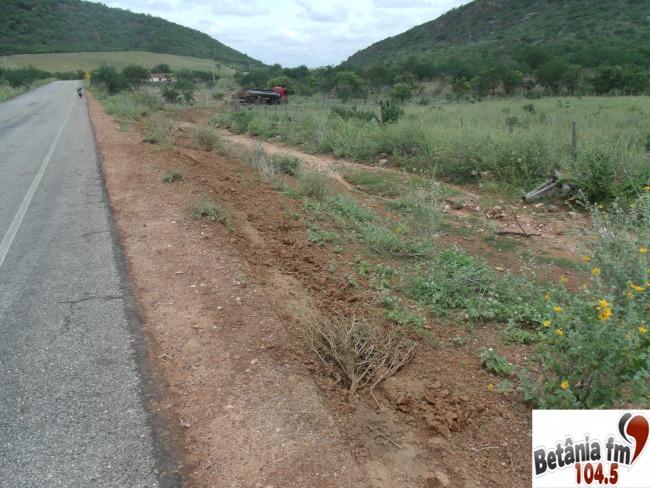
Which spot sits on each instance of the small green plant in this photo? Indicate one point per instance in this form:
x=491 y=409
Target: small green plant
x=205 y=207
x=494 y=363
x=240 y=278
x=174 y=174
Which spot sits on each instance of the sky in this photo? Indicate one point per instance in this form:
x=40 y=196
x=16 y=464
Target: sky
x=295 y=32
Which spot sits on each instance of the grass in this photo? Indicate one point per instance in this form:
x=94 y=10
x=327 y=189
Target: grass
x=206 y=207
x=385 y=183
x=64 y=62
x=424 y=276
x=174 y=174
x=432 y=140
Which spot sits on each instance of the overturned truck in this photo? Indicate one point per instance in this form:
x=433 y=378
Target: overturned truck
x=273 y=96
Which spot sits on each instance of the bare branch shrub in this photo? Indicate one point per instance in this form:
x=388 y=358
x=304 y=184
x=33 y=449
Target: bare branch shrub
x=357 y=353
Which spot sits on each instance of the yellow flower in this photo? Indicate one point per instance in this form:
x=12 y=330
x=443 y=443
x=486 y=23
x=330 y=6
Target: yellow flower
x=600 y=206
x=643 y=330
x=605 y=314
x=643 y=250
x=595 y=271
x=547 y=323
x=565 y=384
x=560 y=332
x=546 y=296
x=586 y=258
x=490 y=386
x=630 y=294
x=603 y=303
x=558 y=309
x=646 y=188
x=635 y=287
x=564 y=279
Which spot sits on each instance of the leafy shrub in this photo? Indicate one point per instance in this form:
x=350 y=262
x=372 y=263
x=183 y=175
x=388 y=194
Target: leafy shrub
x=494 y=363
x=346 y=114
x=594 y=348
x=287 y=164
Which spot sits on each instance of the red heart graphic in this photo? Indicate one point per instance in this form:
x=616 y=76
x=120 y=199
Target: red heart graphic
x=638 y=428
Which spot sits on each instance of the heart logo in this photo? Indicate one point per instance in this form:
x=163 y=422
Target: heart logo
x=636 y=427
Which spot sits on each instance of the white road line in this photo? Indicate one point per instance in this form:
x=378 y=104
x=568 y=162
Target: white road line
x=18 y=219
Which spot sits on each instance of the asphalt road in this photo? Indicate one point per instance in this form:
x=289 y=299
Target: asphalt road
x=71 y=392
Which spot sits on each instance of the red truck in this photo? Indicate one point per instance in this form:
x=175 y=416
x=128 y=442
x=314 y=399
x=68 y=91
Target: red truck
x=274 y=96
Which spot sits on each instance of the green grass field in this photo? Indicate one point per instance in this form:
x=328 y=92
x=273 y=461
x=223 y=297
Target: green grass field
x=64 y=62
x=513 y=141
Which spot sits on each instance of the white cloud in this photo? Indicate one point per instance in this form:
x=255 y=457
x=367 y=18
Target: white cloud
x=323 y=11
x=238 y=8
x=295 y=32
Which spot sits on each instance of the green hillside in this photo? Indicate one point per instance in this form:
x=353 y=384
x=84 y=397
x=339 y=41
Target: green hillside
x=588 y=33
x=67 y=26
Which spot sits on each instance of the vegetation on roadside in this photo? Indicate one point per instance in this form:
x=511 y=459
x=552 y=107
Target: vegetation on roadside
x=589 y=340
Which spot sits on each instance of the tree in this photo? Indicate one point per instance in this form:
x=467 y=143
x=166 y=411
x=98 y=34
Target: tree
x=551 y=74
x=187 y=89
x=408 y=78
x=348 y=84
x=108 y=78
x=282 y=81
x=137 y=75
x=161 y=68
x=401 y=92
x=487 y=81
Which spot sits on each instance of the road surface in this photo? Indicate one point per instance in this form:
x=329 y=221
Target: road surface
x=71 y=390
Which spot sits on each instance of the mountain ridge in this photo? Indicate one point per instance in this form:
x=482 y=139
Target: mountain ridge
x=63 y=26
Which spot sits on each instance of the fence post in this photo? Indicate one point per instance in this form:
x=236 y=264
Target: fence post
x=574 y=145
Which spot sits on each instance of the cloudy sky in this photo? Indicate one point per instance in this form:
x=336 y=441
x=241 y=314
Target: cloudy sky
x=295 y=32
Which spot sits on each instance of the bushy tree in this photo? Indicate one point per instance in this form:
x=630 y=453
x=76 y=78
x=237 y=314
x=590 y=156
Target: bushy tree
x=348 y=84
x=137 y=75
x=282 y=81
x=181 y=88
x=401 y=92
x=109 y=79
x=161 y=68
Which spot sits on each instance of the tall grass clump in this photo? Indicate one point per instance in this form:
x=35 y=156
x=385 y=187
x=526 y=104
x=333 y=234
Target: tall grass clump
x=207 y=139
x=156 y=127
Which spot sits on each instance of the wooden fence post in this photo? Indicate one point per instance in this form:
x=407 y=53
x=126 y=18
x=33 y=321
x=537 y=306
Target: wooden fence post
x=574 y=144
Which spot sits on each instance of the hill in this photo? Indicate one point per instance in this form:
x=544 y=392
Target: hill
x=66 y=26
x=588 y=33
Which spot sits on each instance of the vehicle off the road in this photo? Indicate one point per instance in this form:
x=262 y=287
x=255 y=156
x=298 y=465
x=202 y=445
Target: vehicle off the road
x=272 y=96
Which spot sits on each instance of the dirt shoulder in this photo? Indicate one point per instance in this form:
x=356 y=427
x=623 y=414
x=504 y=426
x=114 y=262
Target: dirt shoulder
x=248 y=405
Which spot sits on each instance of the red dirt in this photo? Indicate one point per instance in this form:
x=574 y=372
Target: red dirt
x=249 y=404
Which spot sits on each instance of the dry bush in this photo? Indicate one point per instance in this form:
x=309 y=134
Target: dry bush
x=357 y=353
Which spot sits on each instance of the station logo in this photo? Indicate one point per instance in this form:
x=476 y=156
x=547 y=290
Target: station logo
x=574 y=448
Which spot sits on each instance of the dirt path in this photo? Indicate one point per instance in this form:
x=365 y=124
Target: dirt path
x=248 y=406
